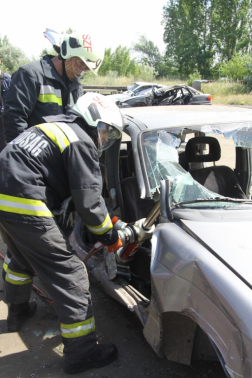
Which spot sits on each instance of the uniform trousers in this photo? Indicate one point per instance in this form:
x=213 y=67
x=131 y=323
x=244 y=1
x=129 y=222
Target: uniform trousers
x=43 y=249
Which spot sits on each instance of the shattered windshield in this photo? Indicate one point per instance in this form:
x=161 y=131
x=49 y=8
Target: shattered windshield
x=162 y=162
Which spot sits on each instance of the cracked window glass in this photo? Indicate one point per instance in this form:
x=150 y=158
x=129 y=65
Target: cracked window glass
x=161 y=158
x=241 y=133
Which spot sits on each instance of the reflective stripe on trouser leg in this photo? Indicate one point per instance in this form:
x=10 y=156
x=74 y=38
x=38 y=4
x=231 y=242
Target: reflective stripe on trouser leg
x=17 y=286
x=18 y=278
x=78 y=329
x=79 y=338
x=15 y=293
x=63 y=276
x=77 y=335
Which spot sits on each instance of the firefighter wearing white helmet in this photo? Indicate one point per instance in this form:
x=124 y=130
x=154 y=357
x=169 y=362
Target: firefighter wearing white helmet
x=58 y=159
x=102 y=116
x=82 y=53
x=50 y=85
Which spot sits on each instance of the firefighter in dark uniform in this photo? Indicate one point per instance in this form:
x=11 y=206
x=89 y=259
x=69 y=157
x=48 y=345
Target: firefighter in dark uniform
x=48 y=86
x=39 y=170
x=5 y=80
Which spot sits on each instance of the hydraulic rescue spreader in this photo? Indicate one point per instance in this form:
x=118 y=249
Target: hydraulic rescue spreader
x=132 y=235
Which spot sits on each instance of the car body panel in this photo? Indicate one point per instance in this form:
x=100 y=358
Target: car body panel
x=186 y=117
x=189 y=280
x=200 y=98
x=230 y=241
x=200 y=254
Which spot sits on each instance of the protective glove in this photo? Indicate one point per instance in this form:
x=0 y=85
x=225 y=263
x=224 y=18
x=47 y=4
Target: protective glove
x=116 y=246
x=118 y=223
x=115 y=219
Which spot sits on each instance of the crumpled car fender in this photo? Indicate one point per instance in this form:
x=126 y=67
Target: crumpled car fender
x=188 y=279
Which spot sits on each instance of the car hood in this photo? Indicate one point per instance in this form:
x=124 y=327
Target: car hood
x=229 y=241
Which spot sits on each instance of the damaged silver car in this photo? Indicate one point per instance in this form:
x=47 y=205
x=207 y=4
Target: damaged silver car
x=134 y=90
x=185 y=171
x=179 y=94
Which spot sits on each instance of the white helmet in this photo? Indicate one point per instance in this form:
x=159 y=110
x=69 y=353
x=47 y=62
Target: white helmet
x=100 y=112
x=84 y=47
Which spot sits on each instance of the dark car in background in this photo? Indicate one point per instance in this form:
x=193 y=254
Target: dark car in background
x=167 y=95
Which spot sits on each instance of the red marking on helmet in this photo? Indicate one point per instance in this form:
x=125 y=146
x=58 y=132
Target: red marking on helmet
x=103 y=104
x=87 y=43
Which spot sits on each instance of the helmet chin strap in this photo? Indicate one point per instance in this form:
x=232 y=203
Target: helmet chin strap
x=65 y=73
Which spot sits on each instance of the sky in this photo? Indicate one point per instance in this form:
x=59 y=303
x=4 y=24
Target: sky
x=114 y=22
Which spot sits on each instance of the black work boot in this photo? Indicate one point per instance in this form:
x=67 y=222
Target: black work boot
x=102 y=355
x=18 y=314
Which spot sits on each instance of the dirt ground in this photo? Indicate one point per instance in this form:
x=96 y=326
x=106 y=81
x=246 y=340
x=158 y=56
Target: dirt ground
x=36 y=350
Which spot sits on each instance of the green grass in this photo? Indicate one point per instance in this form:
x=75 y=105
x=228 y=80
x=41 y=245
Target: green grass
x=222 y=92
x=120 y=81
x=228 y=93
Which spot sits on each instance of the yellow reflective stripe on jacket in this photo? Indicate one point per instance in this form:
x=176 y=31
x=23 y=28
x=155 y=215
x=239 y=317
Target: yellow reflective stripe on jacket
x=78 y=329
x=5 y=267
x=70 y=134
x=60 y=133
x=24 y=206
x=102 y=228
x=17 y=278
x=55 y=134
x=50 y=98
x=50 y=94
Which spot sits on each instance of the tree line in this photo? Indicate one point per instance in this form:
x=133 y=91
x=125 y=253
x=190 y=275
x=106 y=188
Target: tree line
x=203 y=35
x=203 y=38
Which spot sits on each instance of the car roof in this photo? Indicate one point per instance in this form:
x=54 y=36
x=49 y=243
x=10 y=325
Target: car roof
x=222 y=117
